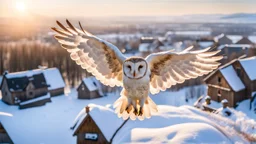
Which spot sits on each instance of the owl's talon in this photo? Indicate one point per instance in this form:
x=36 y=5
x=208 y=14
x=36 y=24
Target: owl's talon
x=135 y=112
x=128 y=109
x=140 y=112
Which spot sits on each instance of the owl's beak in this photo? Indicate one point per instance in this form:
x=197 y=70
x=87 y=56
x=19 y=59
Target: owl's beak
x=134 y=74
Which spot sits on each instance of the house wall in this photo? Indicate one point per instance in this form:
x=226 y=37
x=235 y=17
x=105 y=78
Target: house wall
x=85 y=93
x=89 y=126
x=6 y=94
x=23 y=95
x=213 y=93
x=56 y=92
x=214 y=80
x=250 y=85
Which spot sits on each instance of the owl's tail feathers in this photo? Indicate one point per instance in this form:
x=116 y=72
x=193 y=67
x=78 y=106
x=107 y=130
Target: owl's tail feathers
x=121 y=104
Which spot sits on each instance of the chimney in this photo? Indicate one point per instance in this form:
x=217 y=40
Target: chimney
x=87 y=109
x=5 y=72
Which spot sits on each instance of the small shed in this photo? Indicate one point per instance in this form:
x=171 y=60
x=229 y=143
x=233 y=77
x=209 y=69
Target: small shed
x=4 y=136
x=90 y=88
x=55 y=81
x=91 y=129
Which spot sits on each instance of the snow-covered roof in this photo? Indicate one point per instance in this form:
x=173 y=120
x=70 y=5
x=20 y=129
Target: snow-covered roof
x=108 y=126
x=249 y=66
x=235 y=38
x=231 y=77
x=47 y=96
x=53 y=78
x=28 y=73
x=234 y=46
x=93 y=84
x=143 y=47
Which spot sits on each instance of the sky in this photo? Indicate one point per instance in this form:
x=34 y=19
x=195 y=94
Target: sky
x=105 y=8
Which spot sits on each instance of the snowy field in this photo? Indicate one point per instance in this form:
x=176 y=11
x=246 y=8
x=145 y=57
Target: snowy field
x=50 y=124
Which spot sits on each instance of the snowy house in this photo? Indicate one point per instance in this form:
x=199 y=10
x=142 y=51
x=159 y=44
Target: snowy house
x=21 y=87
x=4 y=136
x=31 y=88
x=224 y=83
x=90 y=88
x=234 y=81
x=89 y=126
x=55 y=81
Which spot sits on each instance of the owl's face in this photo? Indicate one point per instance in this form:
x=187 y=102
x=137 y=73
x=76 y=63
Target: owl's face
x=135 y=68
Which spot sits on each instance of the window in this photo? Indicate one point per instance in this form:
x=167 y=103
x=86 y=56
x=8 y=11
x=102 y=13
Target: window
x=238 y=71
x=82 y=87
x=219 y=92
x=91 y=136
x=94 y=83
x=219 y=79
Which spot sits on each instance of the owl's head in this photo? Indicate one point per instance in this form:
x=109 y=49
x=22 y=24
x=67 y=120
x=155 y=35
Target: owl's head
x=135 y=68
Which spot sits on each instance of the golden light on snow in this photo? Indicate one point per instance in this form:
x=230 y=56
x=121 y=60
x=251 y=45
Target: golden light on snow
x=20 y=6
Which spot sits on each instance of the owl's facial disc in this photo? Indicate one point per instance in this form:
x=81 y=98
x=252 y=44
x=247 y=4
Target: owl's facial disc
x=135 y=69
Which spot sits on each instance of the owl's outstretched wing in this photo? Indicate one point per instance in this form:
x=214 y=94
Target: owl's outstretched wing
x=99 y=57
x=169 y=68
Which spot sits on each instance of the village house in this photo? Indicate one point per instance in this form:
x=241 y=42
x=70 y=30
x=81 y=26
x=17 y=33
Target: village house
x=234 y=81
x=4 y=136
x=90 y=88
x=31 y=88
x=222 y=39
x=91 y=129
x=245 y=40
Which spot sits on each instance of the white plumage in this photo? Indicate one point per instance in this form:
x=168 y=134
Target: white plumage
x=137 y=76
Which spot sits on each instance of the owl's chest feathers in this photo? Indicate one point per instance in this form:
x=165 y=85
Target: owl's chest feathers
x=137 y=88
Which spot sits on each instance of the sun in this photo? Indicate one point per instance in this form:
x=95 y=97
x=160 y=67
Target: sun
x=20 y=6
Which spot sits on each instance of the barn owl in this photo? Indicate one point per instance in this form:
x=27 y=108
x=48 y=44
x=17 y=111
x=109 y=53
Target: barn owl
x=138 y=76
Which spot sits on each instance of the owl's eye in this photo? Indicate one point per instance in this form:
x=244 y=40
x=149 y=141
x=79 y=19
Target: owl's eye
x=141 y=66
x=129 y=66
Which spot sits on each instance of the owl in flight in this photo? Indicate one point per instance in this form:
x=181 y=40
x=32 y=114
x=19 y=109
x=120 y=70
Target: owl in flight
x=138 y=76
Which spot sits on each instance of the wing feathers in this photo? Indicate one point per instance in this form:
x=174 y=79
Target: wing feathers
x=170 y=68
x=97 y=56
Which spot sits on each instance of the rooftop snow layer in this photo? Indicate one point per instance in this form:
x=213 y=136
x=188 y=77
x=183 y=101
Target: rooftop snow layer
x=231 y=77
x=53 y=78
x=249 y=67
x=28 y=73
x=35 y=99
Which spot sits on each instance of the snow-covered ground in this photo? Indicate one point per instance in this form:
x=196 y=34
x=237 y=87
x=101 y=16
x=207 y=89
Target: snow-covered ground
x=50 y=124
